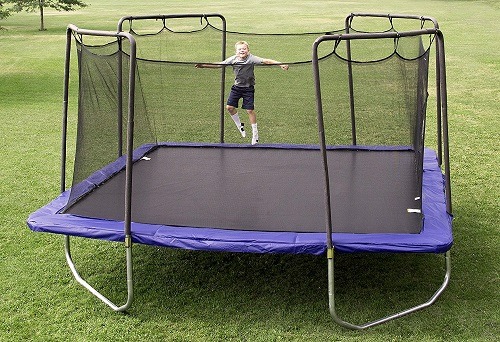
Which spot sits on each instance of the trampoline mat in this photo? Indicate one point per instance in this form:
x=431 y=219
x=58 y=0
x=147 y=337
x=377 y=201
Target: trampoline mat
x=265 y=189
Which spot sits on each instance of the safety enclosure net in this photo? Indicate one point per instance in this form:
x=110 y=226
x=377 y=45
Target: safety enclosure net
x=374 y=91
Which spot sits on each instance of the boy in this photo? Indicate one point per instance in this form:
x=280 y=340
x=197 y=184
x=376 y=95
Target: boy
x=244 y=80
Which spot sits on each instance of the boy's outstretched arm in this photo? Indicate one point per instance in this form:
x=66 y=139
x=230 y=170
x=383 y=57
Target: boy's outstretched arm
x=213 y=66
x=272 y=61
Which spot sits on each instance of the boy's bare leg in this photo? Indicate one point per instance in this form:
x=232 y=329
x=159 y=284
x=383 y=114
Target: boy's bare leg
x=232 y=110
x=252 y=116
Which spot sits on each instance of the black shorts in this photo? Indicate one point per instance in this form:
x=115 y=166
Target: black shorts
x=246 y=93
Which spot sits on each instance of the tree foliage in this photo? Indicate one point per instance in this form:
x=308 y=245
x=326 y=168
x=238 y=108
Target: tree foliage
x=40 y=5
x=4 y=12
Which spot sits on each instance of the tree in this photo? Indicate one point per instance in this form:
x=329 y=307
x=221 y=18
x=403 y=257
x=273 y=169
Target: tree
x=4 y=12
x=40 y=5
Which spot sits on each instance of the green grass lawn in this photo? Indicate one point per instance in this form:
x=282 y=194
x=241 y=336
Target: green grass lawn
x=199 y=296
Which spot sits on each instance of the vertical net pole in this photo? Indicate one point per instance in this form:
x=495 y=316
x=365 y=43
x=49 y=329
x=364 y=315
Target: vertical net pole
x=223 y=79
x=322 y=140
x=120 y=98
x=444 y=115
x=351 y=85
x=65 y=109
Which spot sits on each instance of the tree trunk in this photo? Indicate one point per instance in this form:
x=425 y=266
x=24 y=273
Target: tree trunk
x=41 y=5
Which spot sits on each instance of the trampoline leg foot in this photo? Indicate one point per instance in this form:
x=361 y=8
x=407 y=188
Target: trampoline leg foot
x=331 y=297
x=96 y=293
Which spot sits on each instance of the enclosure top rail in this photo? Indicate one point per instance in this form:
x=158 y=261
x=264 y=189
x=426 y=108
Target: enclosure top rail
x=375 y=35
x=168 y=16
x=390 y=16
x=99 y=33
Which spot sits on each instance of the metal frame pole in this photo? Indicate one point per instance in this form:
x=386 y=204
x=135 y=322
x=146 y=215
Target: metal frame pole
x=128 y=191
x=328 y=220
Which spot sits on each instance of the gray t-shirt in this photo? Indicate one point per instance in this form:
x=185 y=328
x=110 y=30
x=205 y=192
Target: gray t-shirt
x=243 y=69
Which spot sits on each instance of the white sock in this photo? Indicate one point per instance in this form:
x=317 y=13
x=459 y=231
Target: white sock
x=236 y=120
x=255 y=131
x=255 y=134
x=239 y=125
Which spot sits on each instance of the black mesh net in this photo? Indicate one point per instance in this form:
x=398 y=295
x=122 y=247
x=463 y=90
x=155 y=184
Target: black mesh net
x=388 y=94
x=174 y=101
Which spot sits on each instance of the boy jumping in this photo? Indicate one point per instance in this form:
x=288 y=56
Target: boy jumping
x=243 y=88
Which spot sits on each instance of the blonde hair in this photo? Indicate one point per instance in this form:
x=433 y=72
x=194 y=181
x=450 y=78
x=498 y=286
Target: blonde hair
x=242 y=42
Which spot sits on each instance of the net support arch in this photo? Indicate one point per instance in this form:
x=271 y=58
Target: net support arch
x=442 y=141
x=74 y=30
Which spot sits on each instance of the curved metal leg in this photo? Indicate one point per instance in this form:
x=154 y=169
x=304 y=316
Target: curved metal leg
x=94 y=291
x=331 y=298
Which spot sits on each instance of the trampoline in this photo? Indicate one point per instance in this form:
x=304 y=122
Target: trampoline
x=270 y=198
